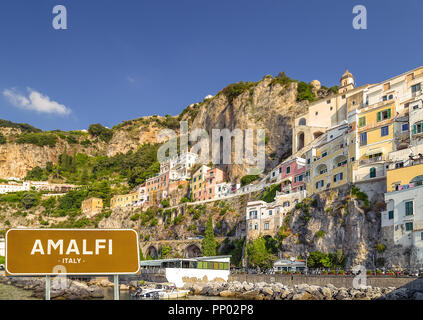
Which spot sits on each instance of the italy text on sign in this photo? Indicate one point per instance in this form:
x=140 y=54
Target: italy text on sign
x=71 y=251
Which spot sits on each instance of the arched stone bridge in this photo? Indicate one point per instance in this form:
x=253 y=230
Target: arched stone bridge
x=188 y=248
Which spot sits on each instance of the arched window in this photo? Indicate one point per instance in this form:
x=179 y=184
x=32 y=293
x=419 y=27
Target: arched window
x=302 y=122
x=300 y=141
x=372 y=172
x=418 y=181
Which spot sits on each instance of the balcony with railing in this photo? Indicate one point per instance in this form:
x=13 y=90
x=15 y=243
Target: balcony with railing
x=372 y=160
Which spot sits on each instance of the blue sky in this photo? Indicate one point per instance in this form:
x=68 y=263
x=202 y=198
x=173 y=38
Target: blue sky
x=120 y=60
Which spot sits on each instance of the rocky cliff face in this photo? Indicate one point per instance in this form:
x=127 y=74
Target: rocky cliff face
x=17 y=159
x=335 y=221
x=267 y=105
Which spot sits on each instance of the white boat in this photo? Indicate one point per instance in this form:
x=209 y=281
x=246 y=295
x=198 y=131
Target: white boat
x=174 y=294
x=151 y=293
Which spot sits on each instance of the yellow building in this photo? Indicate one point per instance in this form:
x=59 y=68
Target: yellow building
x=405 y=169
x=327 y=164
x=125 y=200
x=92 y=206
x=375 y=139
x=197 y=181
x=403 y=178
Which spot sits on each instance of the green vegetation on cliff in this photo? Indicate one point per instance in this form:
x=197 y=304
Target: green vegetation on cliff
x=134 y=167
x=319 y=259
x=208 y=245
x=24 y=127
x=40 y=139
x=248 y=179
x=270 y=193
x=233 y=90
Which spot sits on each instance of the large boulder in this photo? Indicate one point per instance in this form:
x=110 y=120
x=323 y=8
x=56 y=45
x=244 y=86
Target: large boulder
x=227 y=293
x=267 y=291
x=304 y=295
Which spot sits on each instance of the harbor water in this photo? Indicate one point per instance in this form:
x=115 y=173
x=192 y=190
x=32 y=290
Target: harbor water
x=8 y=292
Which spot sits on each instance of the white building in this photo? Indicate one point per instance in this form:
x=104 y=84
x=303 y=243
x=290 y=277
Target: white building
x=404 y=215
x=222 y=190
x=14 y=187
x=289 y=265
x=190 y=270
x=180 y=166
x=266 y=218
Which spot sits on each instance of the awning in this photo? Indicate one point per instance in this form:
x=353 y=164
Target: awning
x=286 y=179
x=374 y=151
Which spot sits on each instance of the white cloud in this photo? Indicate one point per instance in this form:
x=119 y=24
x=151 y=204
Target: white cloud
x=35 y=101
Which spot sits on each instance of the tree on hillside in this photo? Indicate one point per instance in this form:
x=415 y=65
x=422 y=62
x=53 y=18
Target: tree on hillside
x=259 y=255
x=208 y=245
x=98 y=130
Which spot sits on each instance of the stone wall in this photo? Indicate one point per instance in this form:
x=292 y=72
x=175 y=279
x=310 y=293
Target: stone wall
x=337 y=281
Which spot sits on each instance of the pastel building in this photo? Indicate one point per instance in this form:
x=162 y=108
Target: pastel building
x=92 y=206
x=222 y=190
x=265 y=219
x=198 y=182
x=381 y=117
x=327 y=164
x=125 y=200
x=403 y=221
x=322 y=115
x=176 y=169
x=157 y=187
x=209 y=187
x=290 y=174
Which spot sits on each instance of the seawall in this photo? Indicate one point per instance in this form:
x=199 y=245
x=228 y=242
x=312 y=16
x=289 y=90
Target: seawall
x=337 y=281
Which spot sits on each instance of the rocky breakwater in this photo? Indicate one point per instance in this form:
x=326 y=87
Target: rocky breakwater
x=75 y=290
x=278 y=291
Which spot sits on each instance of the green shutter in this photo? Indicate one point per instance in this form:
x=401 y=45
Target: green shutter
x=414 y=129
x=379 y=116
x=389 y=113
x=409 y=208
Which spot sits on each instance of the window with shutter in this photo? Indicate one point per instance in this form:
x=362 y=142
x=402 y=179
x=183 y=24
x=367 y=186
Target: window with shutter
x=409 y=208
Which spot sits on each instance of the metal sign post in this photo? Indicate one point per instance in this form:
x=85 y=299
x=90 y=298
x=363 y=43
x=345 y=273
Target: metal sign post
x=47 y=287
x=116 y=287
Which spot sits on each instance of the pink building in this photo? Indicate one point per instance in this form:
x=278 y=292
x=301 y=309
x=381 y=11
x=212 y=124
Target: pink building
x=291 y=175
x=212 y=178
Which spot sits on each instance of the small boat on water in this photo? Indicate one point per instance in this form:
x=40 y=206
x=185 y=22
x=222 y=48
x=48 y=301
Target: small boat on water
x=147 y=293
x=160 y=294
x=174 y=294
